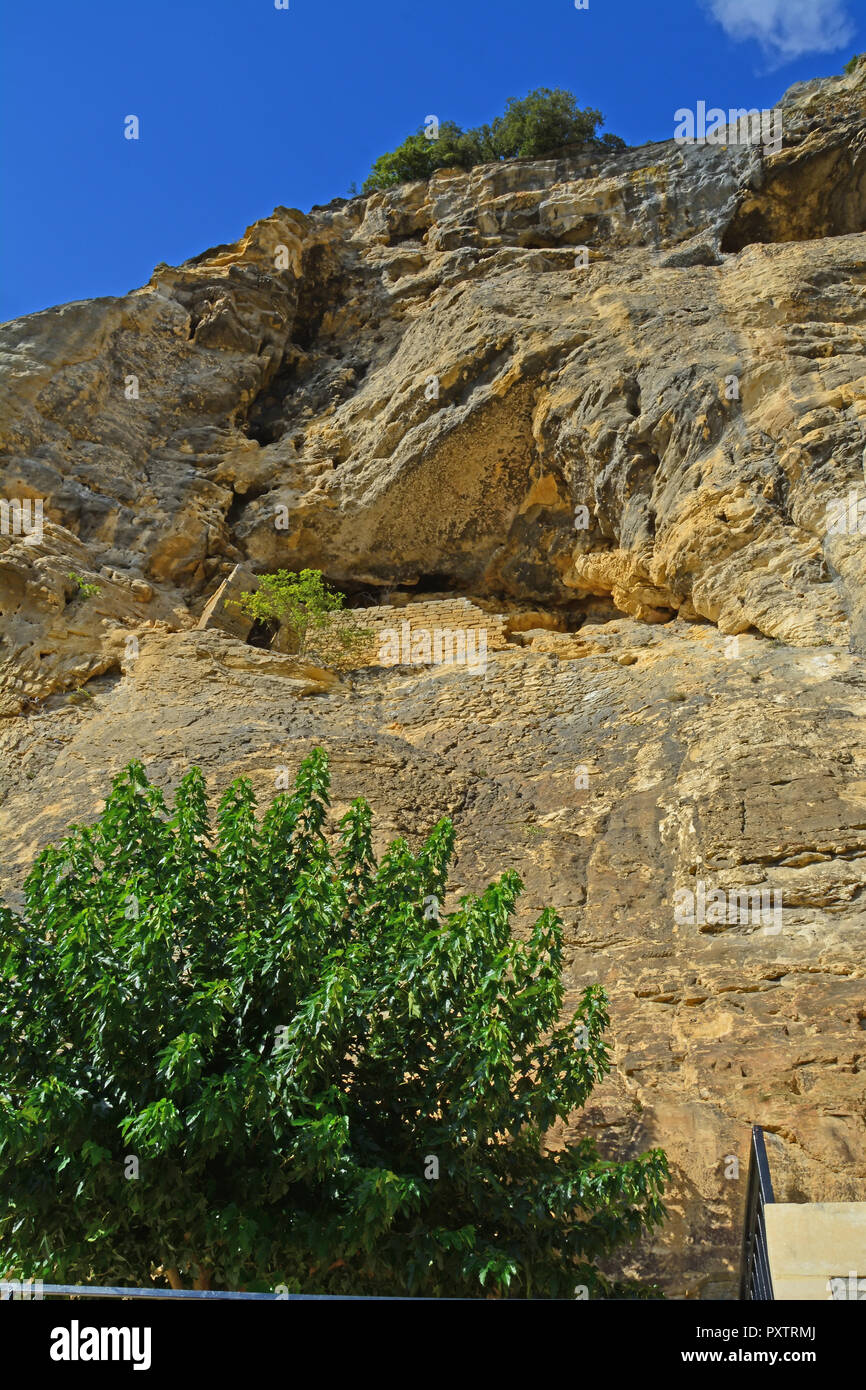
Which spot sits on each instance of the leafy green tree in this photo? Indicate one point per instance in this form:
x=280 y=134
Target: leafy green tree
x=855 y=62
x=312 y=613
x=419 y=156
x=410 y=162
x=540 y=123
x=253 y=1056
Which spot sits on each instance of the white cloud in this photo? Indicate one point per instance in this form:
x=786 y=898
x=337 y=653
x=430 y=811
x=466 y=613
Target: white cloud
x=787 y=28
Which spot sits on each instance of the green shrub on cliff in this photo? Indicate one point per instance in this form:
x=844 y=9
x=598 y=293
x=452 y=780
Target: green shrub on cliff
x=535 y=125
x=314 y=616
x=419 y=156
x=855 y=62
x=545 y=120
x=256 y=1056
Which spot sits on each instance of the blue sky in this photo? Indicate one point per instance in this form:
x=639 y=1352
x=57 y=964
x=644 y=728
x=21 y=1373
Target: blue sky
x=243 y=107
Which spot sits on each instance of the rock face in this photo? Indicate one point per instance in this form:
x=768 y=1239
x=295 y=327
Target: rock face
x=609 y=410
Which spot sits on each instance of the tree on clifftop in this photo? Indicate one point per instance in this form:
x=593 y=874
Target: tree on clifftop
x=536 y=125
x=249 y=1056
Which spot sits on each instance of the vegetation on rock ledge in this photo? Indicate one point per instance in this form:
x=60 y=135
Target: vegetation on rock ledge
x=540 y=123
x=313 y=615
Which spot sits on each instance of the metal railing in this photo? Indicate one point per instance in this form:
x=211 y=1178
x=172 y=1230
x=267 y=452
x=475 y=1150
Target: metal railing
x=36 y=1292
x=756 y=1283
x=42 y=1291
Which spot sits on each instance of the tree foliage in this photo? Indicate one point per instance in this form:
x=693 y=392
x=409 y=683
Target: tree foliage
x=538 y=124
x=231 y=1054
x=314 y=615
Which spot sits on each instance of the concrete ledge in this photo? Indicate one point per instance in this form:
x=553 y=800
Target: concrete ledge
x=812 y=1243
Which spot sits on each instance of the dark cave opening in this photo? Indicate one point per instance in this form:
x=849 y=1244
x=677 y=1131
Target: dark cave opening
x=319 y=286
x=435 y=583
x=804 y=200
x=265 y=422
x=239 y=501
x=263 y=632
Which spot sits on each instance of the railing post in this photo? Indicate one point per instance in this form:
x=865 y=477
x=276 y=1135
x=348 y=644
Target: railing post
x=756 y=1282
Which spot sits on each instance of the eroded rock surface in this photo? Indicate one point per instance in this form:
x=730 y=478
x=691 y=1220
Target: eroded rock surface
x=627 y=468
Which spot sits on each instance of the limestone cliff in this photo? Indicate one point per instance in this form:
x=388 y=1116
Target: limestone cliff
x=622 y=471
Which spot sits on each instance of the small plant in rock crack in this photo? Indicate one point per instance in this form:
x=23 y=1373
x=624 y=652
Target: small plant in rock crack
x=317 y=622
x=86 y=590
